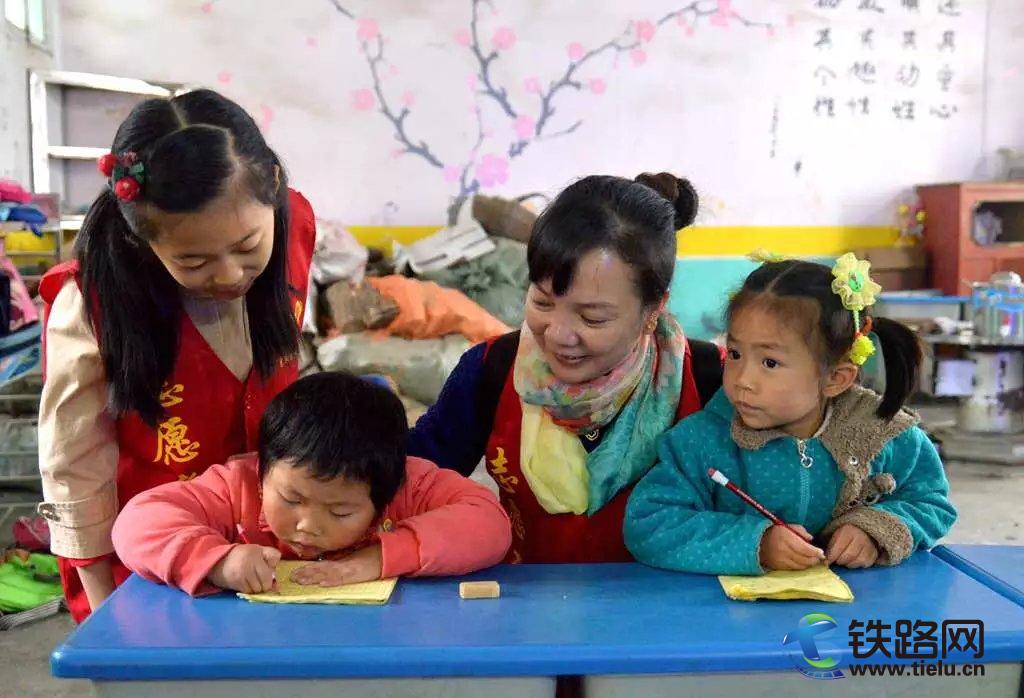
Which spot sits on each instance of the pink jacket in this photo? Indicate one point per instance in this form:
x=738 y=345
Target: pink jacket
x=439 y=523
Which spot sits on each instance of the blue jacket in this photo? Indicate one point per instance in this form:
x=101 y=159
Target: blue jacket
x=882 y=477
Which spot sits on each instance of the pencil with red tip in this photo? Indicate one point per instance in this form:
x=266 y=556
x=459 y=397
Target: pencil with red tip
x=719 y=477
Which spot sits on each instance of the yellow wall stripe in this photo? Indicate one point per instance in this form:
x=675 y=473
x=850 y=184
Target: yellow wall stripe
x=381 y=236
x=701 y=241
x=825 y=241
x=709 y=241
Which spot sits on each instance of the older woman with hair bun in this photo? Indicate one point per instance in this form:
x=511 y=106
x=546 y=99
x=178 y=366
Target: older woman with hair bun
x=567 y=410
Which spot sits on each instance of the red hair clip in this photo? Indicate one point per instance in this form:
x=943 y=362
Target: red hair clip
x=106 y=164
x=125 y=171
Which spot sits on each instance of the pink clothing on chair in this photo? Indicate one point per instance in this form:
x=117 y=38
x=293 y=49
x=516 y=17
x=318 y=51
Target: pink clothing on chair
x=14 y=192
x=23 y=310
x=439 y=523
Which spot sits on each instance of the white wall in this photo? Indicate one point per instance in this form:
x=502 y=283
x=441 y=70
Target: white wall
x=17 y=55
x=1004 y=78
x=727 y=104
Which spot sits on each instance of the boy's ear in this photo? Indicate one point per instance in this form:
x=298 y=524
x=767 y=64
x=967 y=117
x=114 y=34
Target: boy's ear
x=840 y=378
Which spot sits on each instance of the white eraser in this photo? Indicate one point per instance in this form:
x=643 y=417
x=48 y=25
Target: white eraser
x=479 y=590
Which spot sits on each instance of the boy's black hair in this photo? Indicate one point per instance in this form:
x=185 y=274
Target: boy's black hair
x=800 y=294
x=338 y=425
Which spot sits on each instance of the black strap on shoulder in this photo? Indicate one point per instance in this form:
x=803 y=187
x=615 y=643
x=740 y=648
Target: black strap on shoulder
x=707 y=369
x=497 y=363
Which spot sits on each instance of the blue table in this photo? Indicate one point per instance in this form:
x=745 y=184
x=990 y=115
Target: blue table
x=593 y=620
x=999 y=567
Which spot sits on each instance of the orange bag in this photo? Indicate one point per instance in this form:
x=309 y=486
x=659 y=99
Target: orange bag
x=427 y=311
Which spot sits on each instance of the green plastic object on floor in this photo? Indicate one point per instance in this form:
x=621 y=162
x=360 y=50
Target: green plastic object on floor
x=27 y=584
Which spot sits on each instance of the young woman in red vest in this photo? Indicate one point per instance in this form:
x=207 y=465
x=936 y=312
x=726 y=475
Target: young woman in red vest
x=174 y=326
x=566 y=411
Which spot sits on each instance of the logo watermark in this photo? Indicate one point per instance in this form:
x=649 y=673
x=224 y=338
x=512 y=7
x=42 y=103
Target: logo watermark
x=920 y=647
x=809 y=627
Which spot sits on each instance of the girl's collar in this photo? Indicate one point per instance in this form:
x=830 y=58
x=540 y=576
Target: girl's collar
x=851 y=432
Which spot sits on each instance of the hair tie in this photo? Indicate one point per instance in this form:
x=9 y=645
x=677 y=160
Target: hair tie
x=857 y=291
x=125 y=172
x=763 y=256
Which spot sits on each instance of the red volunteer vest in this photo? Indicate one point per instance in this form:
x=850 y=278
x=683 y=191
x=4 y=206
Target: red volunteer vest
x=540 y=537
x=211 y=415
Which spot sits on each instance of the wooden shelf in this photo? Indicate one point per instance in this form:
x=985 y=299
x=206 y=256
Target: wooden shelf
x=956 y=259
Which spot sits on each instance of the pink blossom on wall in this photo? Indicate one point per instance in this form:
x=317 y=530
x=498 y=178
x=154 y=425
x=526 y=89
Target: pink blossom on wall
x=771 y=32
x=645 y=30
x=224 y=77
x=206 y=7
x=266 y=117
x=524 y=126
x=504 y=39
x=492 y=170
x=476 y=171
x=721 y=18
x=363 y=99
x=311 y=41
x=790 y=21
x=367 y=29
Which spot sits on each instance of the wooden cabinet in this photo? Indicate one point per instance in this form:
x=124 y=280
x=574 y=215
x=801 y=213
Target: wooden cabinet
x=956 y=258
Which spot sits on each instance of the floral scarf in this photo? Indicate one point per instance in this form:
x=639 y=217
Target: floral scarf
x=640 y=396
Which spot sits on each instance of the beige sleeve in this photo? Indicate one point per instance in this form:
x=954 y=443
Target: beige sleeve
x=77 y=436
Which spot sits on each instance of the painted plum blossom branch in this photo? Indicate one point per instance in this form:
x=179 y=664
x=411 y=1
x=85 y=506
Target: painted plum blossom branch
x=488 y=169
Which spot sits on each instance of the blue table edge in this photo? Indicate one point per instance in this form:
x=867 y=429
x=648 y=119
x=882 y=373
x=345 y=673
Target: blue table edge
x=1004 y=589
x=535 y=661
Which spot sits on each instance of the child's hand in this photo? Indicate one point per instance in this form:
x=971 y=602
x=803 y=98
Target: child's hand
x=781 y=550
x=851 y=547
x=247 y=568
x=364 y=565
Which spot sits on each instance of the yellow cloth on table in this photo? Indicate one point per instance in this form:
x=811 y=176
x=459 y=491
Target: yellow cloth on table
x=364 y=593
x=819 y=583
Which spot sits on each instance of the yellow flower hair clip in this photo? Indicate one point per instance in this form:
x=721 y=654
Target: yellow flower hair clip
x=863 y=347
x=857 y=291
x=763 y=256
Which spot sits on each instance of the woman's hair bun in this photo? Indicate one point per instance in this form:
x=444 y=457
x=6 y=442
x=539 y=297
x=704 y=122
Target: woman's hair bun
x=678 y=191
